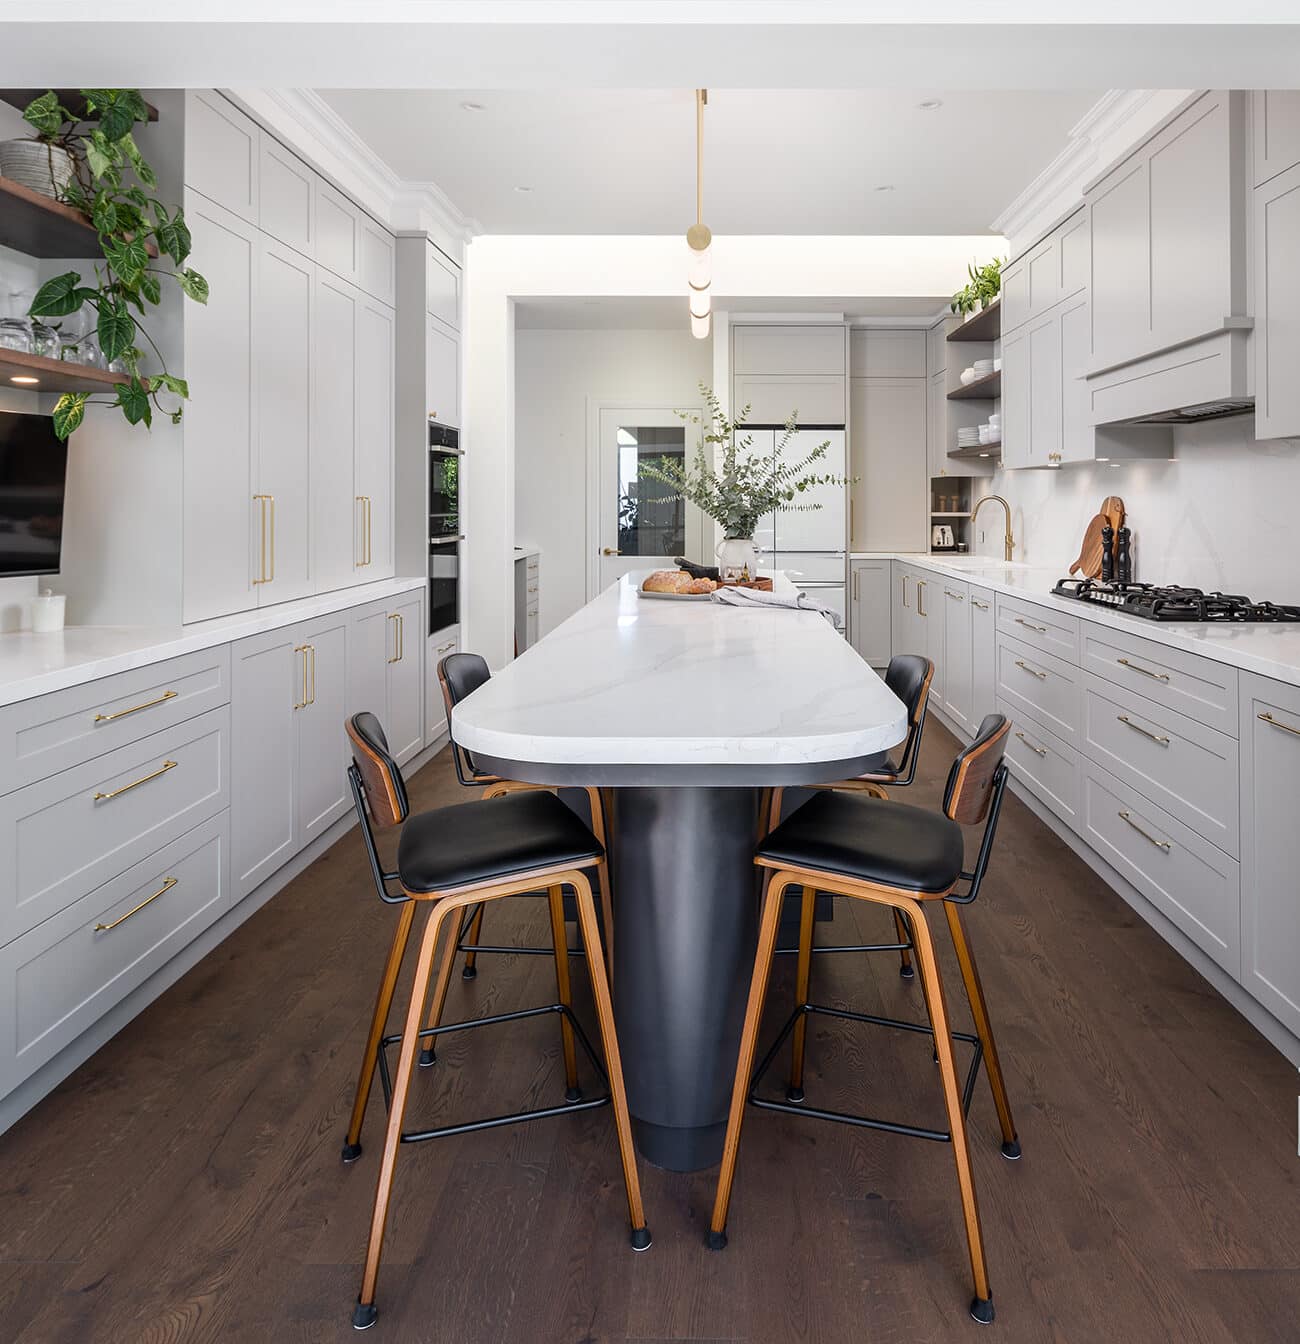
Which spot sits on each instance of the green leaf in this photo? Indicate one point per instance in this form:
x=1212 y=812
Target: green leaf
x=193 y=284
x=183 y=240
x=117 y=109
x=173 y=384
x=137 y=161
x=151 y=288
x=115 y=329
x=69 y=411
x=103 y=213
x=127 y=258
x=45 y=114
x=58 y=297
x=103 y=156
x=133 y=398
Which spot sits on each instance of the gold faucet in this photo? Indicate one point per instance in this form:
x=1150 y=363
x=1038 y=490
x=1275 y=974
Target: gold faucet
x=1008 y=542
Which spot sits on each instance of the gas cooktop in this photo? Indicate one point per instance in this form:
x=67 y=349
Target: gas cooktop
x=1170 y=603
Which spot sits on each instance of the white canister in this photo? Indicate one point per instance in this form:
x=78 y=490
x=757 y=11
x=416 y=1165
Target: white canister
x=47 y=612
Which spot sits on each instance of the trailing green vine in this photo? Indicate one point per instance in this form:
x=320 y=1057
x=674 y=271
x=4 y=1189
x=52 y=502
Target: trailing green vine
x=115 y=186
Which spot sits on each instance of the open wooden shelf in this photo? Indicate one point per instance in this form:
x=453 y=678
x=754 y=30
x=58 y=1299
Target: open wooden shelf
x=993 y=449
x=43 y=227
x=70 y=98
x=950 y=515
x=980 y=389
x=54 y=375
x=984 y=326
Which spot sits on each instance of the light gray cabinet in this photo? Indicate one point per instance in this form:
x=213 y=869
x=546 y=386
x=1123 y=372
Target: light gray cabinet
x=442 y=373
x=375 y=442
x=890 y=496
x=793 y=350
x=957 y=653
x=338 y=515
x=386 y=670
x=870 y=620
x=1078 y=437
x=983 y=654
x=1277 y=132
x=928 y=629
x=323 y=795
x=936 y=349
x=772 y=399
x=1270 y=846
x=1017 y=446
x=368 y=646
x=338 y=226
x=286 y=196
x=221 y=156
x=528 y=601
x=441 y=643
x=1277 y=304
x=901 y=610
x=936 y=427
x=881 y=353
x=376 y=261
x=1048 y=273
x=442 y=288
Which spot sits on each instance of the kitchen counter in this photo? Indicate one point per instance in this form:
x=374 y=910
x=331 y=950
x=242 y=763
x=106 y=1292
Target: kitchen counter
x=1269 y=650
x=32 y=664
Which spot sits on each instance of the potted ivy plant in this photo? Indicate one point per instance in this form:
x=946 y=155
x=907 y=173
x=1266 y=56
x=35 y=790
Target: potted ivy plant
x=143 y=245
x=984 y=285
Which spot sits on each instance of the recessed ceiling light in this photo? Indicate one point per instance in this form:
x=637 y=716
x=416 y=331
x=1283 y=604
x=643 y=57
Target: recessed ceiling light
x=472 y=107
x=887 y=186
x=523 y=189
x=19 y=378
x=930 y=104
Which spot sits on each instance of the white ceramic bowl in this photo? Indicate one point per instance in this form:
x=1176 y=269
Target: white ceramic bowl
x=967 y=376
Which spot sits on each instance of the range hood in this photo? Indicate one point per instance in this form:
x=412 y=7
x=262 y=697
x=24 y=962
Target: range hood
x=1198 y=414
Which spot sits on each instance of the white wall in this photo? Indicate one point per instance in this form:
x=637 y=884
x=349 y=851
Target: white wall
x=1222 y=514
x=555 y=374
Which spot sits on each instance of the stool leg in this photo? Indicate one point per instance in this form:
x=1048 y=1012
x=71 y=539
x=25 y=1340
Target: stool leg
x=979 y=1010
x=597 y=804
x=904 y=957
x=981 y=1307
x=429 y=1053
x=472 y=937
x=560 y=941
x=767 y=927
x=613 y=1062
x=383 y=1002
x=365 y=1314
x=774 y=812
x=807 y=912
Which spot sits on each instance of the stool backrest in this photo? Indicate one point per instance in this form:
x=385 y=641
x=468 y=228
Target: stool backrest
x=459 y=675
x=973 y=779
x=909 y=676
x=385 y=789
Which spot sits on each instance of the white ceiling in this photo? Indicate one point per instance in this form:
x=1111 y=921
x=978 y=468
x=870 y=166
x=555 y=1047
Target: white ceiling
x=776 y=161
x=647 y=313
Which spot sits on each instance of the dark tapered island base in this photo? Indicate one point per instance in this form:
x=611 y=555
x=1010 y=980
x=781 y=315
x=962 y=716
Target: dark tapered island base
x=687 y=928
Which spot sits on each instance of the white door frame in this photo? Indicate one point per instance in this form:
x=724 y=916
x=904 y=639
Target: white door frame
x=695 y=520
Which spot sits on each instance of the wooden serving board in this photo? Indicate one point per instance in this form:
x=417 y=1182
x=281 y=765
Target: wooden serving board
x=762 y=584
x=1090 y=552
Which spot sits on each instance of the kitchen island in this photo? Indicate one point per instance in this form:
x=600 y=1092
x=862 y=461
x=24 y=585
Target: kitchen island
x=685 y=710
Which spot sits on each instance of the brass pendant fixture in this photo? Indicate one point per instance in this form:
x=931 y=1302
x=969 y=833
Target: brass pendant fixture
x=698 y=236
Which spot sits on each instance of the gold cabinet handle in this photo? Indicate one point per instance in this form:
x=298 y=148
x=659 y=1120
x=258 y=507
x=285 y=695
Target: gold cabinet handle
x=397 y=654
x=1146 y=835
x=1040 y=751
x=308 y=652
x=920 y=593
x=1137 y=728
x=135 y=783
x=311 y=699
x=975 y=602
x=121 y=919
x=957 y=597
x=362 y=562
x=401 y=634
x=1029 y=625
x=857 y=573
x=903 y=580
x=266 y=557
x=1133 y=667
x=1277 y=723
x=443 y=648
x=1033 y=671
x=610 y=550
x=135 y=709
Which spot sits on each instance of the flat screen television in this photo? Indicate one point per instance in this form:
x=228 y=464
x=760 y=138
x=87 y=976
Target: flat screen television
x=33 y=472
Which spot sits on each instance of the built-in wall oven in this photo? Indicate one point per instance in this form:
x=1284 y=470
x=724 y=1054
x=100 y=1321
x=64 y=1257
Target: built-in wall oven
x=445 y=535
x=444 y=583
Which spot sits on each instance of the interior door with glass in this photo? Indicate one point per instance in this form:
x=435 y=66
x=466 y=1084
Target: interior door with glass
x=639 y=525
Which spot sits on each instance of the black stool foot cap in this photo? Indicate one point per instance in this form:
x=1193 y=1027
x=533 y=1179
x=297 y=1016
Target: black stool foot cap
x=573 y=1094
x=363 y=1317
x=1011 y=1150
x=351 y=1151
x=907 y=972
x=428 y=1058
x=981 y=1310
x=717 y=1241
x=640 y=1238
x=795 y=1094
x=469 y=973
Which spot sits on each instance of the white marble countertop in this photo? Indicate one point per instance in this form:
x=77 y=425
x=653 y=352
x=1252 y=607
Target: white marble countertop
x=634 y=682
x=526 y=552
x=1269 y=650
x=32 y=664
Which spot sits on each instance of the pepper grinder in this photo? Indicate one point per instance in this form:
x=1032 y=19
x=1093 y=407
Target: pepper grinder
x=1124 y=556
x=1107 y=553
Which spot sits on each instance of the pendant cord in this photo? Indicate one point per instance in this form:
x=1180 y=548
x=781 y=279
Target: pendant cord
x=701 y=97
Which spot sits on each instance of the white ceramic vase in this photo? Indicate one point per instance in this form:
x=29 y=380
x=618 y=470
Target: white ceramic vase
x=46 y=169
x=736 y=554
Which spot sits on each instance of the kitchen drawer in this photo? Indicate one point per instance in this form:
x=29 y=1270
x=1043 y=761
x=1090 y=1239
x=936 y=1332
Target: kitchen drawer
x=1045 y=688
x=1189 y=770
x=1202 y=689
x=1043 y=628
x=64 y=840
x=1189 y=880
x=40 y=737
x=60 y=978
x=1049 y=768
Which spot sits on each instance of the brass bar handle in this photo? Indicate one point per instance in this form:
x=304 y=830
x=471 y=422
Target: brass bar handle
x=265 y=570
x=1146 y=835
x=1029 y=625
x=1277 y=723
x=1033 y=671
x=392 y=616
x=1041 y=751
x=135 y=709
x=1137 y=728
x=271 y=577
x=443 y=648
x=957 y=597
x=975 y=602
x=401 y=634
x=360 y=563
x=121 y=919
x=304 y=702
x=311 y=648
x=920 y=594
x=1133 y=667
x=857 y=573
x=903 y=581
x=370 y=530
x=135 y=783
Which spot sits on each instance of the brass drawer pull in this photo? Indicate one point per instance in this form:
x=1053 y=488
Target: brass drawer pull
x=1146 y=835
x=1041 y=751
x=266 y=557
x=975 y=602
x=1137 y=728
x=1285 y=727
x=903 y=581
x=947 y=592
x=397 y=648
x=1029 y=625
x=135 y=783
x=1133 y=667
x=444 y=648
x=1033 y=671
x=920 y=594
x=121 y=919
x=135 y=709
x=308 y=652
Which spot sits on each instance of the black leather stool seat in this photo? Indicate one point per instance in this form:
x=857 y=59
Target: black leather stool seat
x=486 y=842
x=885 y=843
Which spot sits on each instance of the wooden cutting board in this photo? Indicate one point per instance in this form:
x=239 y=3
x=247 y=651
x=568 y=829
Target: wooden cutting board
x=1090 y=553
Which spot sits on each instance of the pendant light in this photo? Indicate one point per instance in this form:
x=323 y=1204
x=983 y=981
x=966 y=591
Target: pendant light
x=698 y=237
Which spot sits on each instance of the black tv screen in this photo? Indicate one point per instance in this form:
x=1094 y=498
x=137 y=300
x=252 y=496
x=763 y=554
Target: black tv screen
x=33 y=469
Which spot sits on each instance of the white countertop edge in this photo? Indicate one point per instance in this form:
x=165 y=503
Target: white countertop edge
x=33 y=665
x=1269 y=650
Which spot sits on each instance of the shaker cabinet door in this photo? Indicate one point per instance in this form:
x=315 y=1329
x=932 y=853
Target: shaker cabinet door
x=286 y=196
x=323 y=792
x=405 y=727
x=338 y=522
x=221 y=157
x=983 y=656
x=375 y=442
x=1277 y=307
x=957 y=652
x=1015 y=399
x=442 y=374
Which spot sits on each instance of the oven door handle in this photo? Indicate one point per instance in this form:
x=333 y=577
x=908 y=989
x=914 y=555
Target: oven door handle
x=446 y=541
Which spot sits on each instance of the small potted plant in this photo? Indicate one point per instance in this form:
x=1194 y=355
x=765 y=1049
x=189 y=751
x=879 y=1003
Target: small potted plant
x=984 y=286
x=43 y=162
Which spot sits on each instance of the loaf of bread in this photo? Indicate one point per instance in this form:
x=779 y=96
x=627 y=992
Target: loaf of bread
x=697 y=586
x=676 y=581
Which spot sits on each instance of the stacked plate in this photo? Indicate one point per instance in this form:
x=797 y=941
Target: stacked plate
x=983 y=367
x=968 y=436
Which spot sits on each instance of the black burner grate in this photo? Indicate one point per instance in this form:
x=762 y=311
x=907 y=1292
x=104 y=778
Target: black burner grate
x=1173 y=603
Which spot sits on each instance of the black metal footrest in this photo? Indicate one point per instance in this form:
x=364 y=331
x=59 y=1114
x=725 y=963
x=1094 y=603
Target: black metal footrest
x=513 y=1118
x=843 y=1117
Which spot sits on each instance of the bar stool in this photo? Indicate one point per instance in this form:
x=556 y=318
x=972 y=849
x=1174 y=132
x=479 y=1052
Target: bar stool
x=909 y=676
x=459 y=675
x=904 y=857
x=450 y=859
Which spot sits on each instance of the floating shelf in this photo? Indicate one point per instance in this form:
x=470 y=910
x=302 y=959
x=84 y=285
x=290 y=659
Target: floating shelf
x=70 y=98
x=950 y=515
x=43 y=227
x=980 y=389
x=984 y=326
x=977 y=450
x=53 y=375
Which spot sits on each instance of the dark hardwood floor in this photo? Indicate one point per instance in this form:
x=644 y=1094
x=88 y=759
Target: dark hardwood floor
x=185 y=1184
